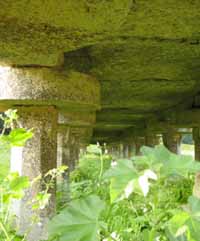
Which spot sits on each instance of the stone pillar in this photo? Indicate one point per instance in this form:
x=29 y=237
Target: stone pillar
x=36 y=158
x=116 y=150
x=75 y=131
x=80 y=127
x=124 y=150
x=129 y=150
x=196 y=138
x=152 y=140
x=139 y=142
x=172 y=140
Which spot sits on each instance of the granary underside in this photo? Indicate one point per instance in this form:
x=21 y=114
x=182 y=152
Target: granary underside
x=114 y=71
x=145 y=54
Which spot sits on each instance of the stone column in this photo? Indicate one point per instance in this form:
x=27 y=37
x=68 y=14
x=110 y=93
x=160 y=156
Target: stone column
x=79 y=126
x=130 y=150
x=139 y=142
x=36 y=158
x=152 y=140
x=124 y=150
x=172 y=140
x=75 y=131
x=127 y=150
x=196 y=138
x=116 y=150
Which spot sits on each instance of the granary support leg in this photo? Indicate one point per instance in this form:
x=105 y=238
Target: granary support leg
x=152 y=140
x=36 y=158
x=196 y=138
x=139 y=142
x=172 y=140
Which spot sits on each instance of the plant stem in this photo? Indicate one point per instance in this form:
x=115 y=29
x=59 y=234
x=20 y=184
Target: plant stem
x=101 y=170
x=4 y=231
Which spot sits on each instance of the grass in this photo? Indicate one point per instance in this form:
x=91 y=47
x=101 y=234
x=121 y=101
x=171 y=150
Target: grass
x=187 y=149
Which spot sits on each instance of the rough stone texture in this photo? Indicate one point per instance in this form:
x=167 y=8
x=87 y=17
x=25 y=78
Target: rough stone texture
x=152 y=140
x=38 y=31
x=77 y=118
x=144 y=53
x=139 y=142
x=196 y=138
x=38 y=157
x=36 y=86
x=172 y=140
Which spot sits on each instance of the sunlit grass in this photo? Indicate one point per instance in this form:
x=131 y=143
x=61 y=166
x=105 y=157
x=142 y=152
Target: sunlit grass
x=187 y=149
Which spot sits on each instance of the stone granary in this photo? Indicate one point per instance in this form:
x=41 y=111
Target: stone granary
x=114 y=71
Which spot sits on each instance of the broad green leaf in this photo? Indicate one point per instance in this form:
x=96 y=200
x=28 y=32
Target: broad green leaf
x=157 y=154
x=123 y=178
x=17 y=182
x=180 y=165
x=18 y=137
x=94 y=149
x=149 y=235
x=186 y=224
x=79 y=221
x=168 y=162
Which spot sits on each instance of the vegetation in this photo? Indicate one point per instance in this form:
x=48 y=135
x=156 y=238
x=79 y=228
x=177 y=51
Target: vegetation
x=153 y=197
x=148 y=198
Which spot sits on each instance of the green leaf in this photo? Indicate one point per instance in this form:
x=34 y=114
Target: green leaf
x=18 y=137
x=169 y=162
x=79 y=221
x=186 y=224
x=94 y=149
x=180 y=165
x=149 y=235
x=123 y=178
x=18 y=183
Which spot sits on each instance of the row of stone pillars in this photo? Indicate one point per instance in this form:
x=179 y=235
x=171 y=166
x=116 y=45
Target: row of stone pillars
x=52 y=145
x=43 y=98
x=171 y=139
x=60 y=107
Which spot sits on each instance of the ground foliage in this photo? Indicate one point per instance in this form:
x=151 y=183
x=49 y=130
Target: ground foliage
x=152 y=197
x=147 y=198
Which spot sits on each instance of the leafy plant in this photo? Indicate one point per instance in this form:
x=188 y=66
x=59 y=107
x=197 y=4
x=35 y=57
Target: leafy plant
x=79 y=221
x=143 y=197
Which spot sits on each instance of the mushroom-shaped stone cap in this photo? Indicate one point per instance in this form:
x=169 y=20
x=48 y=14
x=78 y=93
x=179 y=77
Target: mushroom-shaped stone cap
x=46 y=86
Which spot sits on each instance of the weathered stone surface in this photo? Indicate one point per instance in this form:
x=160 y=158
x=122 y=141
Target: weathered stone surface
x=37 y=32
x=172 y=140
x=77 y=118
x=43 y=86
x=196 y=138
x=144 y=53
x=37 y=158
